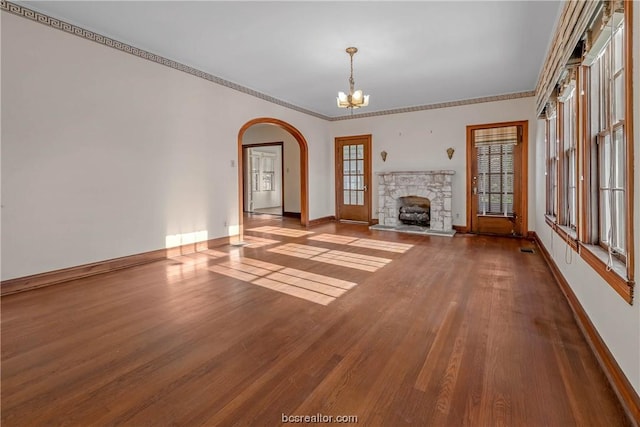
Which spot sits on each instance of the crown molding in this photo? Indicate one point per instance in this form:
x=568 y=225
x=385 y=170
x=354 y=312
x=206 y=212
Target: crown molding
x=16 y=9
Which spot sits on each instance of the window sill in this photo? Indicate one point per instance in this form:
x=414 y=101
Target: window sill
x=550 y=220
x=568 y=234
x=597 y=258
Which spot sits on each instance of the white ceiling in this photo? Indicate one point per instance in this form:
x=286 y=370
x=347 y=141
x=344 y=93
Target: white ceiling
x=410 y=53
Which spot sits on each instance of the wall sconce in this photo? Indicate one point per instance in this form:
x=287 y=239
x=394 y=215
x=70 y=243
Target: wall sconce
x=383 y=154
x=450 y=152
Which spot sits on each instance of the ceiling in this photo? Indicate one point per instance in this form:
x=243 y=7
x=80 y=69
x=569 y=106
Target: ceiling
x=410 y=53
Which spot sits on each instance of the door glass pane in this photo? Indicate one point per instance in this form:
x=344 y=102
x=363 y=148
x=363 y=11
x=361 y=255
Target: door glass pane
x=508 y=183
x=507 y=159
x=495 y=203
x=495 y=180
x=483 y=201
x=352 y=179
x=482 y=184
x=494 y=183
x=495 y=163
x=508 y=203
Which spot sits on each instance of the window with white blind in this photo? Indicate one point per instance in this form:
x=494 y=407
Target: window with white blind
x=607 y=117
x=495 y=151
x=569 y=167
x=552 y=155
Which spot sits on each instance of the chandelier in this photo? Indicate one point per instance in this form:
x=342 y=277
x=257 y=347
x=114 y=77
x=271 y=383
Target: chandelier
x=355 y=99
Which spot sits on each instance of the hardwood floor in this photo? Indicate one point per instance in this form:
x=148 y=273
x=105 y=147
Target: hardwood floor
x=435 y=331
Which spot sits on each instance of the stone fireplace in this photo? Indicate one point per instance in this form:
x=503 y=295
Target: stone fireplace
x=429 y=190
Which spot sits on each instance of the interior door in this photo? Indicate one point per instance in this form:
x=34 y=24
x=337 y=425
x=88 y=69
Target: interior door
x=497 y=178
x=353 y=170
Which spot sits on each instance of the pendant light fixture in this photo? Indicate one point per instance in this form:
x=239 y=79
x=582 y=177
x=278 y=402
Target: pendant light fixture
x=355 y=98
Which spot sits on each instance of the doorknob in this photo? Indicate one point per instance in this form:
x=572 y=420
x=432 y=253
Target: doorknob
x=364 y=188
x=475 y=190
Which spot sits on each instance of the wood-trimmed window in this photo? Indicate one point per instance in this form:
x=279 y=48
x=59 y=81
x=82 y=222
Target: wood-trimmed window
x=594 y=170
x=569 y=156
x=552 y=154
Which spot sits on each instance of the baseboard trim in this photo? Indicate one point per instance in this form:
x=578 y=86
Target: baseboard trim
x=291 y=214
x=627 y=396
x=35 y=281
x=319 y=221
x=462 y=229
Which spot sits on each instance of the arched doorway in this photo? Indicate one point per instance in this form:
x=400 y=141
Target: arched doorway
x=304 y=201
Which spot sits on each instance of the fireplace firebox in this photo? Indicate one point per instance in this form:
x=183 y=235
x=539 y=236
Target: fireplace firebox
x=414 y=210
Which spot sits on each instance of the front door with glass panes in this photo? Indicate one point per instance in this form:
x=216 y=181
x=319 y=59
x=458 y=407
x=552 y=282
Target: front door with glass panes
x=495 y=179
x=353 y=166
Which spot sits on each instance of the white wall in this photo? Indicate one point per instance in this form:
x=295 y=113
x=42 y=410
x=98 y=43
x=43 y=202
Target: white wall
x=419 y=141
x=262 y=133
x=617 y=322
x=105 y=154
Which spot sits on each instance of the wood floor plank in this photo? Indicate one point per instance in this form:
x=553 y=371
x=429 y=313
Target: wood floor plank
x=464 y=331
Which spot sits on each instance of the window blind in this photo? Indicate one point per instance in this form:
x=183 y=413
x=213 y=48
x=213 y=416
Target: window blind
x=504 y=135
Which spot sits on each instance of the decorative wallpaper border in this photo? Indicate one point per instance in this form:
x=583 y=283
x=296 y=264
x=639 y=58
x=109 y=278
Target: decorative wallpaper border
x=7 y=6
x=440 y=105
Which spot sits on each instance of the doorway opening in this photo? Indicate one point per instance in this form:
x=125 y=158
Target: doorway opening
x=263 y=188
x=301 y=166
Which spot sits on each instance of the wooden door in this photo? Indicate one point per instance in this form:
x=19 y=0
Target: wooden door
x=353 y=178
x=497 y=178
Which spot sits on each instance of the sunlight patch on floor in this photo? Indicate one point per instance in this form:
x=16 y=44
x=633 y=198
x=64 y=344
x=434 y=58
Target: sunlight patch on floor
x=258 y=242
x=379 y=245
x=312 y=287
x=299 y=251
x=288 y=232
x=328 y=256
x=334 y=238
